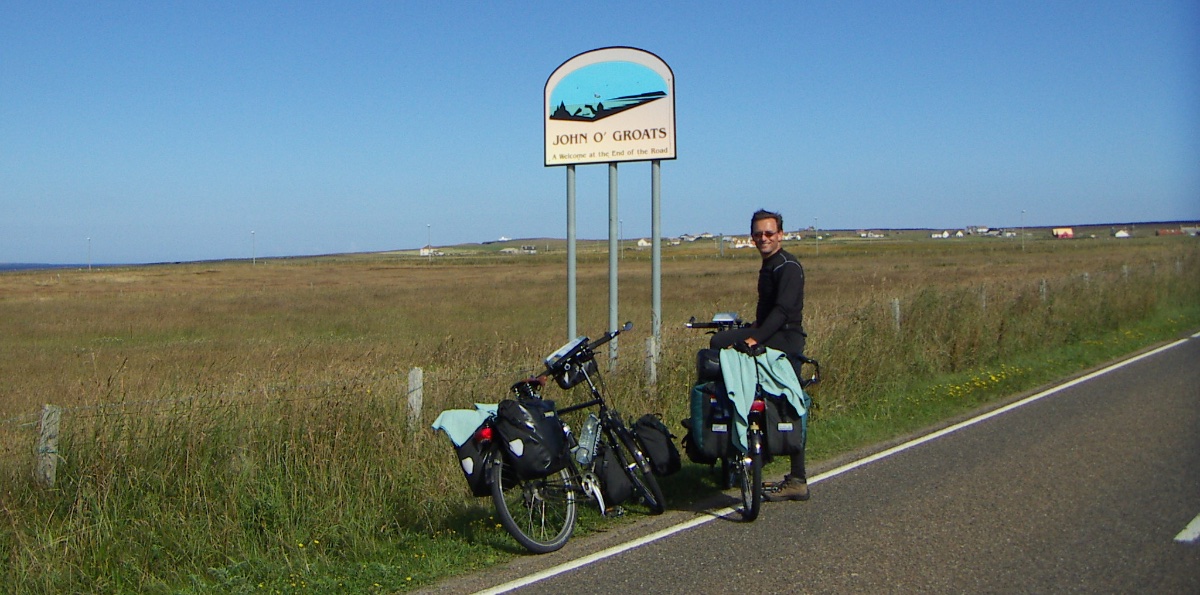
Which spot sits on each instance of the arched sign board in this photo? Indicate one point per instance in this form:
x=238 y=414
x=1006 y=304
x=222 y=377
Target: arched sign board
x=610 y=105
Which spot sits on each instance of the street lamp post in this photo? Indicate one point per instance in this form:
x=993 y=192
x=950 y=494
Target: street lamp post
x=1022 y=230
x=429 y=241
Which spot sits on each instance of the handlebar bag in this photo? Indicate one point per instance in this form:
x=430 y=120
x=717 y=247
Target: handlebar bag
x=534 y=440
x=786 y=430
x=712 y=420
x=576 y=374
x=658 y=444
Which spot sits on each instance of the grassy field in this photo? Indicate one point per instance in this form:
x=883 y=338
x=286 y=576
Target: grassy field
x=239 y=427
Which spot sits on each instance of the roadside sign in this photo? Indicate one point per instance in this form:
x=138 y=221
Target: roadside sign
x=610 y=105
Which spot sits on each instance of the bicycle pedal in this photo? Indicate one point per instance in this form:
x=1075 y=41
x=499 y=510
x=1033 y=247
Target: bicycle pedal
x=614 y=512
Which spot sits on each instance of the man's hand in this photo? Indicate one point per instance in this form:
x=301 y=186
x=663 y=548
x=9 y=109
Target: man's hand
x=750 y=347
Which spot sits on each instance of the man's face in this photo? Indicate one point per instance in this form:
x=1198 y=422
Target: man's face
x=767 y=236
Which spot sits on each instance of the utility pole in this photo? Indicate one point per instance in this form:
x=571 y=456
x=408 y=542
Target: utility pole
x=1022 y=230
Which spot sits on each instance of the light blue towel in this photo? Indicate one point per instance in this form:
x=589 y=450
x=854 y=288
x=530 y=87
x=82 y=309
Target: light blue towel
x=459 y=424
x=775 y=374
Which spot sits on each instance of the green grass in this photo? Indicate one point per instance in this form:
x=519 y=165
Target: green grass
x=238 y=428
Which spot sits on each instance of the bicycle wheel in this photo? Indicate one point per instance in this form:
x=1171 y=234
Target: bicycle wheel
x=538 y=513
x=749 y=471
x=637 y=467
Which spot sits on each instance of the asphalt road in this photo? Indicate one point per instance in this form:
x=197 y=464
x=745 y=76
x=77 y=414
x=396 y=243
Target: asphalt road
x=1085 y=489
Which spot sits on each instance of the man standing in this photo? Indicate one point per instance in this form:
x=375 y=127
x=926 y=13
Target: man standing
x=777 y=324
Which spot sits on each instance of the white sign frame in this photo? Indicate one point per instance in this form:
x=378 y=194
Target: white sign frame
x=638 y=122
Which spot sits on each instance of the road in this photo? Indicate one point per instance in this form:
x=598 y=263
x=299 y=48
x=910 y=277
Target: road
x=1085 y=488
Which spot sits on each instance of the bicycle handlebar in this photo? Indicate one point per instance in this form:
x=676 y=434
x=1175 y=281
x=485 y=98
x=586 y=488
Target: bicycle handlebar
x=609 y=336
x=583 y=351
x=716 y=324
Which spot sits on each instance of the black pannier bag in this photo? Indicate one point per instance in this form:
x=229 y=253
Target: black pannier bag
x=785 y=428
x=615 y=485
x=534 y=441
x=658 y=444
x=708 y=365
x=474 y=465
x=711 y=423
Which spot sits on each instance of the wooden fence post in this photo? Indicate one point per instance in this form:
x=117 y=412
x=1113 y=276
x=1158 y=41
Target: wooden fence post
x=416 y=388
x=651 y=361
x=896 y=313
x=47 y=449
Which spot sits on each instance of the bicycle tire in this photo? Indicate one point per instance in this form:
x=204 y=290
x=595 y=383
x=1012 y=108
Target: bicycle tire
x=637 y=468
x=750 y=476
x=539 y=513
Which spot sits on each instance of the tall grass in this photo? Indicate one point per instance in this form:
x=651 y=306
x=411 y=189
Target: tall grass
x=228 y=424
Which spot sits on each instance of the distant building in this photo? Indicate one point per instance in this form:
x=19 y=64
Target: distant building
x=1121 y=233
x=1063 y=233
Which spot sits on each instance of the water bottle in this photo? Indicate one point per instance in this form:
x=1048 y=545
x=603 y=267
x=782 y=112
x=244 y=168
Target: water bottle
x=587 y=440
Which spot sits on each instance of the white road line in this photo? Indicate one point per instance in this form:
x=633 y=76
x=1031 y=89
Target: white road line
x=993 y=413
x=1190 y=533
x=1193 y=528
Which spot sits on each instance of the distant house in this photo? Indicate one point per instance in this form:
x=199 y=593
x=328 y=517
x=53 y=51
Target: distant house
x=1063 y=233
x=1169 y=232
x=428 y=251
x=1121 y=233
x=529 y=249
x=644 y=243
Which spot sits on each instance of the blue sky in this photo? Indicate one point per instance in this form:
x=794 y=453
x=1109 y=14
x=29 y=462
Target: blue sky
x=169 y=131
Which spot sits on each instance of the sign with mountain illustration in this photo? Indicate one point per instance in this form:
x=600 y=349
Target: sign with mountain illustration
x=609 y=105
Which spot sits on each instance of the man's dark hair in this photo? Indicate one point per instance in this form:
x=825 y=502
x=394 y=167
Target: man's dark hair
x=765 y=214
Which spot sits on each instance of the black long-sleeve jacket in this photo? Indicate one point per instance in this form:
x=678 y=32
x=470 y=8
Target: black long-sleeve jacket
x=780 y=308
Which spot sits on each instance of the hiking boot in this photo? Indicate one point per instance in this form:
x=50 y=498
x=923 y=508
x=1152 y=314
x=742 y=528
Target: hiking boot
x=772 y=486
x=788 y=489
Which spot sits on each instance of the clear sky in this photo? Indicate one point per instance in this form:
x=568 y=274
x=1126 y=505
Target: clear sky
x=171 y=131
